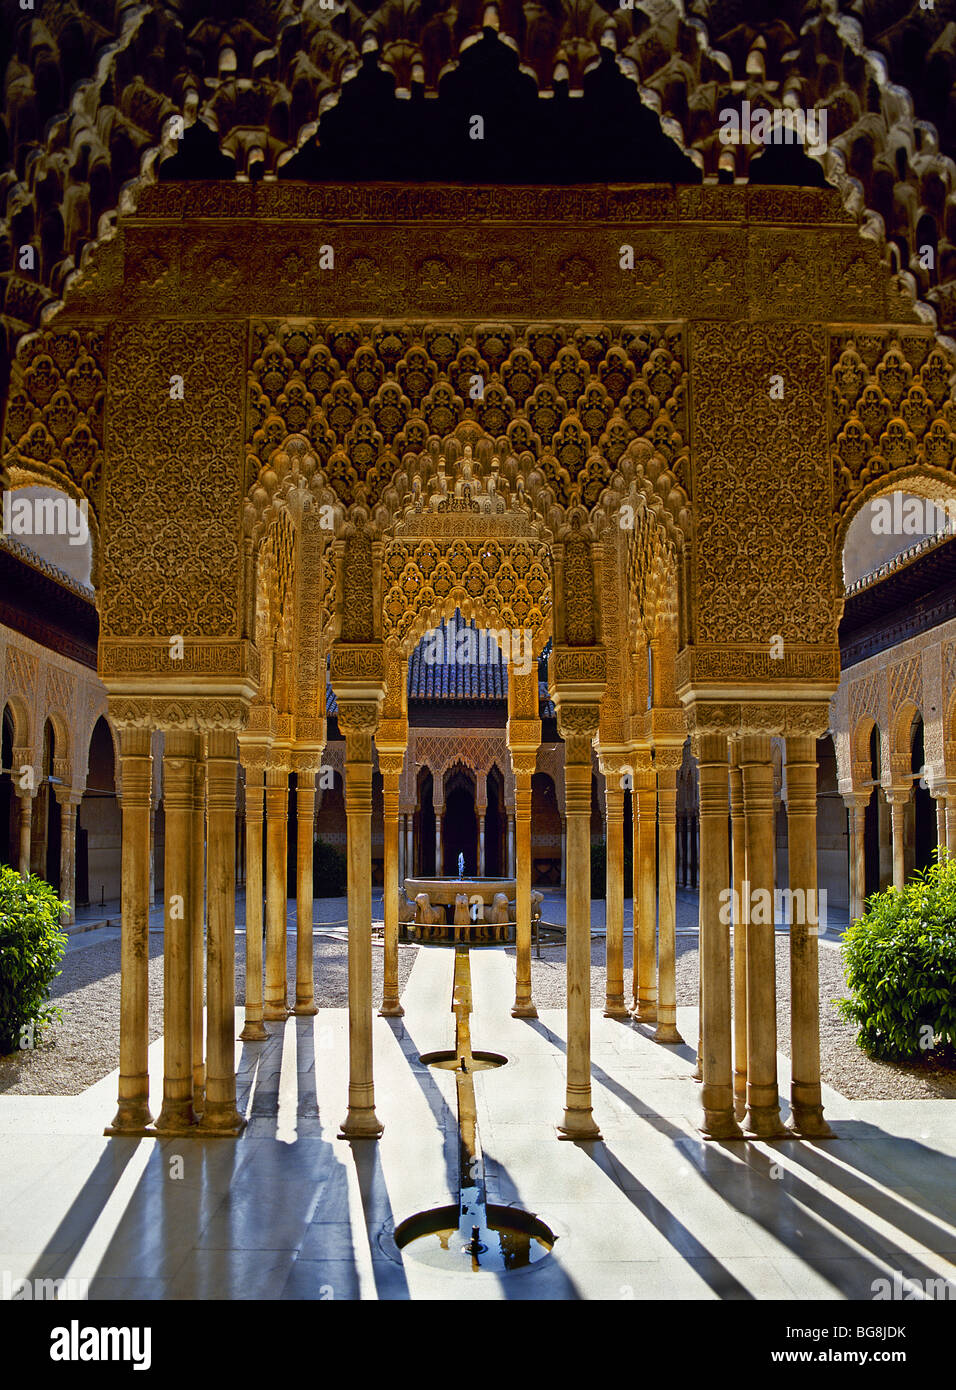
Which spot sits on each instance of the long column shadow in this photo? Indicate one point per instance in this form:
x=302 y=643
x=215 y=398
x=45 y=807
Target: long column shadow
x=790 y=1222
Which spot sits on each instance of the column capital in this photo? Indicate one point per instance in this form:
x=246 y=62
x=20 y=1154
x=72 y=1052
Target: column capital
x=358 y=721
x=390 y=764
x=578 y=726
x=523 y=761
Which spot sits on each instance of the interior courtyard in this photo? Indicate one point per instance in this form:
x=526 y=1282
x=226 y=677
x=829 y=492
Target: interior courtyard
x=477 y=625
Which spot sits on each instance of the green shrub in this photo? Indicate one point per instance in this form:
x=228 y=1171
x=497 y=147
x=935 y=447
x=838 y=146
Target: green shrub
x=31 y=949
x=329 y=871
x=900 y=961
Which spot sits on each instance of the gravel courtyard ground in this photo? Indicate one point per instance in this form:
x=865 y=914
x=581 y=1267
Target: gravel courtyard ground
x=843 y=1065
x=84 y=1047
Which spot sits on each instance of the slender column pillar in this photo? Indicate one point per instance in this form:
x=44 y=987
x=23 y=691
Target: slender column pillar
x=856 y=807
x=941 y=820
x=132 y=1114
x=578 y=725
x=806 y=1102
x=667 y=761
x=481 y=843
x=410 y=847
x=439 y=814
x=717 y=1092
x=694 y=853
x=197 y=922
x=763 y=1101
x=897 y=799
x=179 y=772
x=401 y=848
x=738 y=833
x=358 y=722
x=305 y=1005
x=645 y=951
x=69 y=802
x=277 y=829
x=951 y=822
x=564 y=850
x=614 y=1006
x=254 y=1030
x=512 y=869
x=26 y=831
x=221 y=1115
x=523 y=762
x=390 y=765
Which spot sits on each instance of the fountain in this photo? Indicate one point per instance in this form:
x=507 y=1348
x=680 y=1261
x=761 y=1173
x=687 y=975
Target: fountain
x=473 y=1234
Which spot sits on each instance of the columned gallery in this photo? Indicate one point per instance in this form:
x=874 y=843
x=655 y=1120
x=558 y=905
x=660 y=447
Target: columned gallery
x=472 y=485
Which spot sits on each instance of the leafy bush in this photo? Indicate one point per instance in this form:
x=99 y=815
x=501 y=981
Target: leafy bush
x=329 y=871
x=900 y=961
x=31 y=948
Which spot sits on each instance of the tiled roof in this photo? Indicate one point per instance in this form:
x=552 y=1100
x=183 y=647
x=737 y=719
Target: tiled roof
x=440 y=669
x=435 y=674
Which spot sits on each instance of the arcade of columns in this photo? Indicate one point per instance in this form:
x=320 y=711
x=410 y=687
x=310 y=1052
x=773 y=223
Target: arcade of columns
x=281 y=491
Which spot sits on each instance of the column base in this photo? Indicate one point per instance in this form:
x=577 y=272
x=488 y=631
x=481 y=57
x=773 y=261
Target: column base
x=667 y=1033
x=176 y=1117
x=221 y=1120
x=275 y=1013
x=254 y=1031
x=645 y=1012
x=307 y=1009
x=132 y=1117
x=764 y=1122
x=807 y=1122
x=391 y=1008
x=523 y=1008
x=361 y=1124
x=720 y=1124
x=578 y=1125
x=615 y=1007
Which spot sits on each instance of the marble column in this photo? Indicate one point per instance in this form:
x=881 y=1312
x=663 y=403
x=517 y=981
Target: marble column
x=481 y=843
x=614 y=1006
x=512 y=870
x=254 y=1030
x=738 y=835
x=277 y=829
x=763 y=1101
x=410 y=847
x=358 y=722
x=402 y=872
x=897 y=798
x=806 y=1102
x=578 y=726
x=390 y=766
x=220 y=1115
x=716 y=1053
x=667 y=762
x=941 y=820
x=305 y=770
x=69 y=803
x=951 y=822
x=564 y=850
x=523 y=762
x=645 y=870
x=179 y=772
x=133 y=1114
x=439 y=815
x=197 y=924
x=26 y=832
x=856 y=807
